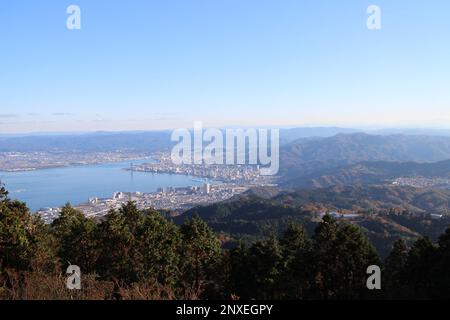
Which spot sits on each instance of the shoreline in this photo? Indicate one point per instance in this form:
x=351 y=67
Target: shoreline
x=74 y=165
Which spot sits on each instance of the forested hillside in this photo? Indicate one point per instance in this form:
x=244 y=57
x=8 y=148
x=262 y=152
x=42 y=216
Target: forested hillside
x=132 y=254
x=304 y=159
x=372 y=172
x=384 y=213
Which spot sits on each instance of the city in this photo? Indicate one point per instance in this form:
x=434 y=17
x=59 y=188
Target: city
x=247 y=174
x=30 y=161
x=233 y=152
x=176 y=199
x=234 y=180
x=423 y=182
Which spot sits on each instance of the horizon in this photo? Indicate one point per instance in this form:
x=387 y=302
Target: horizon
x=233 y=153
x=163 y=65
x=368 y=130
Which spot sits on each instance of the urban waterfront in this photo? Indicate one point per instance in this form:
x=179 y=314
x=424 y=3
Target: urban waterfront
x=76 y=184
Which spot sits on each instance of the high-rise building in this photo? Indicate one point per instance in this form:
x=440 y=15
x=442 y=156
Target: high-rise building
x=206 y=188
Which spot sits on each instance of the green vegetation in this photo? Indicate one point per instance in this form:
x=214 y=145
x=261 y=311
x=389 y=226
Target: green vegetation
x=385 y=213
x=131 y=254
x=373 y=172
x=322 y=162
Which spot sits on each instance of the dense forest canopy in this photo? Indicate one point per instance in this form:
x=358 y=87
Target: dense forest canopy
x=133 y=254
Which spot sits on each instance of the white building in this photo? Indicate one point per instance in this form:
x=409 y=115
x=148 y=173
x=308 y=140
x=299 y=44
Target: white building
x=206 y=188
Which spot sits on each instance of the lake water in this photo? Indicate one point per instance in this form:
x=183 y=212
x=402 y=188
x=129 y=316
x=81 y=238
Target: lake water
x=55 y=187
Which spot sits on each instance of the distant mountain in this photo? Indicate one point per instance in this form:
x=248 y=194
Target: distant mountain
x=290 y=135
x=129 y=140
x=386 y=212
x=91 y=142
x=369 y=198
x=412 y=131
x=371 y=172
x=305 y=157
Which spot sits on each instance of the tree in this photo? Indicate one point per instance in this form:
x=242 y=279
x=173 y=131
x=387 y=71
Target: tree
x=266 y=265
x=23 y=245
x=418 y=271
x=133 y=217
x=342 y=255
x=119 y=260
x=16 y=226
x=440 y=274
x=3 y=194
x=237 y=280
x=200 y=252
x=76 y=236
x=45 y=248
x=297 y=275
x=137 y=246
x=324 y=247
x=159 y=241
x=354 y=255
x=255 y=272
x=394 y=269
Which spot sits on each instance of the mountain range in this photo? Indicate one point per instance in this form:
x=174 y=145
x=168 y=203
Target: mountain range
x=372 y=172
x=304 y=159
x=385 y=213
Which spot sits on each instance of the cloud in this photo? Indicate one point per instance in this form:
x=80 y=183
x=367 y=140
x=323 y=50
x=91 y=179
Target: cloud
x=59 y=114
x=164 y=113
x=8 y=115
x=161 y=119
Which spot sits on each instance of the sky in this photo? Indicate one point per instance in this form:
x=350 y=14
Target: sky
x=162 y=64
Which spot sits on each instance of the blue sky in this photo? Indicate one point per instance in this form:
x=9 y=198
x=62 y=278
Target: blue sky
x=139 y=65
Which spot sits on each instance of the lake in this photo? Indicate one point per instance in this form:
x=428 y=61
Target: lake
x=55 y=187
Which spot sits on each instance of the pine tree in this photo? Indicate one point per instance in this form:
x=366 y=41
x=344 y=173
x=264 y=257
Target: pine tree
x=255 y=272
x=119 y=260
x=20 y=245
x=324 y=250
x=134 y=218
x=342 y=254
x=238 y=281
x=45 y=248
x=394 y=270
x=296 y=278
x=419 y=267
x=76 y=236
x=3 y=194
x=16 y=226
x=159 y=241
x=440 y=272
x=354 y=254
x=266 y=267
x=200 y=252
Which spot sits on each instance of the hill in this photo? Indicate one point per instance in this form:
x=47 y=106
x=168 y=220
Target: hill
x=376 y=172
x=370 y=198
x=305 y=157
x=385 y=213
x=90 y=142
x=141 y=141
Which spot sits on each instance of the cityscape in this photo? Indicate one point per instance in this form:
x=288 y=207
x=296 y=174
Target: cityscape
x=224 y=156
x=221 y=182
x=31 y=161
x=423 y=182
